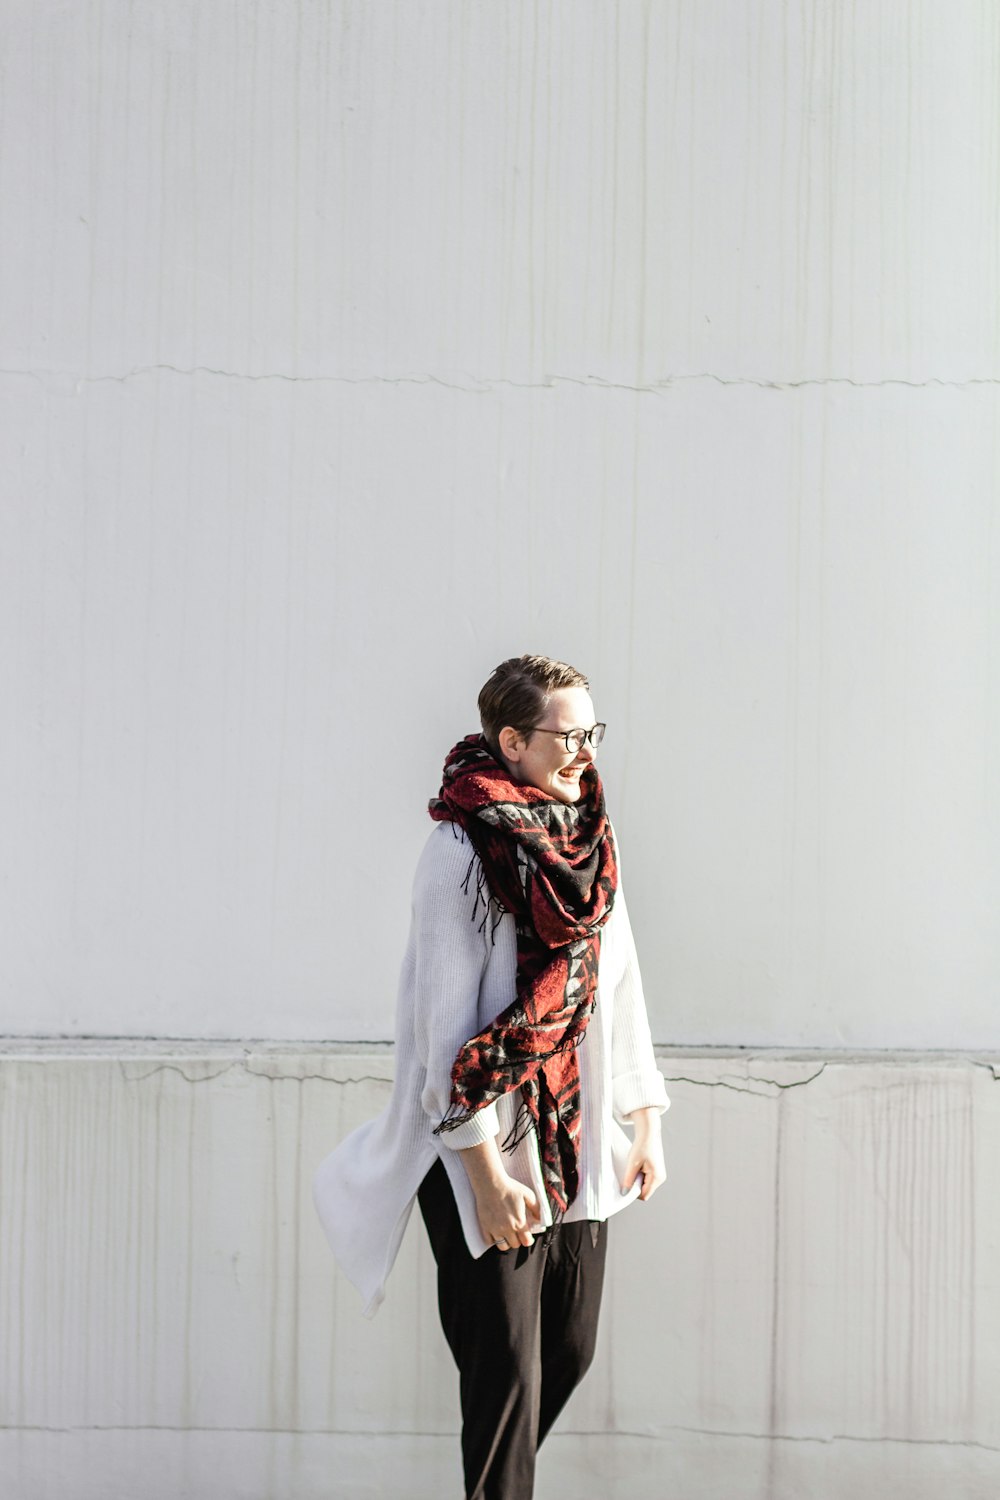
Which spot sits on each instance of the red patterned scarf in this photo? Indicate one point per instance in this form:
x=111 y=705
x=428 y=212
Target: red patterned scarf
x=552 y=865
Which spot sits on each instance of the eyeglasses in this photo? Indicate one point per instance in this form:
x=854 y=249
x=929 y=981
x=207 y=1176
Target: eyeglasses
x=576 y=738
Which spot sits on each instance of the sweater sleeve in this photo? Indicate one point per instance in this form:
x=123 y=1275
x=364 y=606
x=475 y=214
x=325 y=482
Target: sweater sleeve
x=450 y=958
x=637 y=1082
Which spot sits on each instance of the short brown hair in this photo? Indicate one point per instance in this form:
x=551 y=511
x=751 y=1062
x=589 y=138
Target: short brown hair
x=518 y=692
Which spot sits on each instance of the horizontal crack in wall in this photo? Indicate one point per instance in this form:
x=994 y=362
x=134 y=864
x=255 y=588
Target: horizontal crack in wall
x=69 y=383
x=741 y=1087
x=664 y=1435
x=137 y=1073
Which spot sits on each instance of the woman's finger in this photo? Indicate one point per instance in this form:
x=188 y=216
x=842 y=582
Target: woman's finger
x=652 y=1177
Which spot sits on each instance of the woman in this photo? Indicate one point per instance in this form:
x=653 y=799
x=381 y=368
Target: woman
x=522 y=1045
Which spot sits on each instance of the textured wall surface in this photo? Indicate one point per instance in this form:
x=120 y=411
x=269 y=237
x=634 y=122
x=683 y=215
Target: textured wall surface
x=808 y=1306
x=348 y=347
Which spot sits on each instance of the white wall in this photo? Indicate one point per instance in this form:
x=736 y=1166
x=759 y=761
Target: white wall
x=809 y=1306
x=346 y=348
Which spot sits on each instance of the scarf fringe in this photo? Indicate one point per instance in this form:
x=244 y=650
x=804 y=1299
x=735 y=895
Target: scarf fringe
x=524 y=1124
x=484 y=895
x=453 y=1119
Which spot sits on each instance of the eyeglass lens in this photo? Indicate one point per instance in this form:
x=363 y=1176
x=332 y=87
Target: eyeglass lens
x=576 y=738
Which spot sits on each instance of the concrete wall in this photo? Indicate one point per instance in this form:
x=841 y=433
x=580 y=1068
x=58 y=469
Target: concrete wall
x=808 y=1307
x=348 y=347
x=345 y=348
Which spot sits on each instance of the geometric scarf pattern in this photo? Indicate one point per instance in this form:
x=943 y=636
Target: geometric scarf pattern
x=553 y=865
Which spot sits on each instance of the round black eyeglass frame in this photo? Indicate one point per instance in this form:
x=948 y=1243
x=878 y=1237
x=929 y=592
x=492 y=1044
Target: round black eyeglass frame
x=576 y=738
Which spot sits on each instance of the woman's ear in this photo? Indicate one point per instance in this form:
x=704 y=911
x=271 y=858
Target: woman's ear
x=511 y=743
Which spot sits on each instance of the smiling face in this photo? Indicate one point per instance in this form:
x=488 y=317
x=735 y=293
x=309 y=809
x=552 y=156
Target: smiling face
x=543 y=760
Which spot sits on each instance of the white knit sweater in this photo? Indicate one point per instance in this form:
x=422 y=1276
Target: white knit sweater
x=455 y=981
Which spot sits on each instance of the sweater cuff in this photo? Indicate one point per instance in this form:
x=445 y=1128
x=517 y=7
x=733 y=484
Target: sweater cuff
x=639 y=1090
x=481 y=1127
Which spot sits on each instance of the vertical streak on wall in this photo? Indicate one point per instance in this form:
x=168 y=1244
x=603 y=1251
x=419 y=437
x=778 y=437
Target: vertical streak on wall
x=777 y=1369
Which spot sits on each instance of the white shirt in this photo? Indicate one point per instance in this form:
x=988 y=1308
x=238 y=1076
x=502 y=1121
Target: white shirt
x=457 y=976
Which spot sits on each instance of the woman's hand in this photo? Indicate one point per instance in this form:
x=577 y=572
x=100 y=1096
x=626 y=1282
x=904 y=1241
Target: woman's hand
x=646 y=1155
x=505 y=1208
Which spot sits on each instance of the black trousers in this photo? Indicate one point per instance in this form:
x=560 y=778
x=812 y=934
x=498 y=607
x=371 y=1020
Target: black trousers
x=522 y=1326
